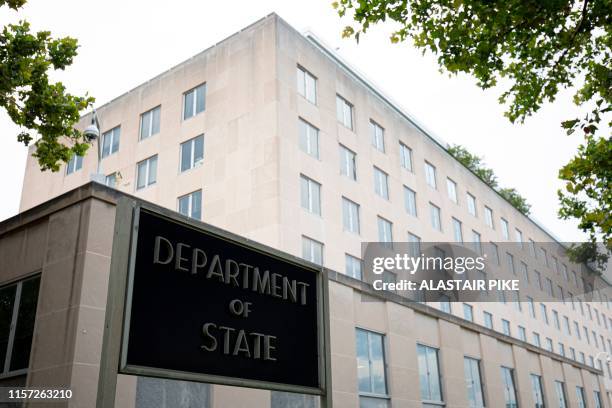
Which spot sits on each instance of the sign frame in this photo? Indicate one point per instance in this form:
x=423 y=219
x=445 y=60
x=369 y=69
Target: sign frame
x=118 y=310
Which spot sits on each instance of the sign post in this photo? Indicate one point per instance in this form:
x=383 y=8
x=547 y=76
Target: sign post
x=192 y=302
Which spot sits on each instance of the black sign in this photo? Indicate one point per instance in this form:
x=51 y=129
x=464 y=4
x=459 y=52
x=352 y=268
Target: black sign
x=203 y=304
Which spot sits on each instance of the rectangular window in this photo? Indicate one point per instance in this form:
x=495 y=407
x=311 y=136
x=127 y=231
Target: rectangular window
x=451 y=188
x=17 y=315
x=561 y=349
x=429 y=375
x=410 y=201
x=194 y=101
x=509 y=388
x=488 y=320
x=505 y=229
x=378 y=136
x=522 y=333
x=532 y=248
x=538 y=279
x=405 y=157
x=312 y=250
x=457 y=232
x=308 y=138
x=191 y=205
x=468 y=312
x=434 y=213
x=524 y=272
x=506 y=327
x=110 y=141
x=597 y=399
x=471 y=204
x=549 y=344
x=572 y=353
x=353 y=266
x=371 y=374
x=566 y=326
x=146 y=172
x=414 y=245
x=307 y=85
x=536 y=339
x=344 y=112
x=74 y=164
x=476 y=242
x=580 y=397
x=430 y=175
x=385 y=232
x=350 y=216
x=192 y=153
x=494 y=252
x=519 y=237
x=310 y=195
x=150 y=123
x=381 y=184
x=445 y=304
x=537 y=390
x=473 y=382
x=531 y=307
x=111 y=180
x=577 y=330
x=510 y=263
x=544 y=313
x=348 y=163
x=489 y=217
x=560 y=390
x=556 y=321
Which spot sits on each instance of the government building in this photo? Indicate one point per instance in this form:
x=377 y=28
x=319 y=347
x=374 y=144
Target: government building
x=271 y=136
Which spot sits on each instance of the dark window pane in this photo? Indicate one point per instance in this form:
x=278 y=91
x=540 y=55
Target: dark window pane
x=186 y=156
x=24 y=331
x=196 y=205
x=188 y=110
x=7 y=299
x=200 y=98
x=198 y=147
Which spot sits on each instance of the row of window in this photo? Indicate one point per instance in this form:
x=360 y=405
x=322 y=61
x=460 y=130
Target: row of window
x=372 y=381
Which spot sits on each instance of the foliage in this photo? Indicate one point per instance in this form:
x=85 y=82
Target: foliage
x=32 y=101
x=476 y=164
x=534 y=48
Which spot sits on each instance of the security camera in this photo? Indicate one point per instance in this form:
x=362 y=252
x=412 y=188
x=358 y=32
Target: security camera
x=91 y=133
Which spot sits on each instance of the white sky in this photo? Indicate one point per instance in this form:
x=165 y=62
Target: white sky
x=124 y=43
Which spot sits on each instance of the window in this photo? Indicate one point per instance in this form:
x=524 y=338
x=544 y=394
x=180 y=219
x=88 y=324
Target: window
x=531 y=307
x=353 y=266
x=192 y=153
x=194 y=101
x=17 y=314
x=110 y=141
x=519 y=237
x=494 y=252
x=468 y=312
x=473 y=382
x=471 y=204
x=577 y=330
x=381 y=185
x=489 y=217
x=111 y=180
x=561 y=349
x=560 y=389
x=150 y=123
x=544 y=313
x=509 y=388
x=597 y=399
x=549 y=344
x=385 y=232
x=307 y=85
x=510 y=263
x=458 y=234
x=434 y=213
x=505 y=229
x=371 y=364
x=147 y=172
x=476 y=242
x=532 y=248
x=524 y=272
x=344 y=112
x=308 y=138
x=348 y=163
x=488 y=320
x=414 y=244
x=445 y=304
x=191 y=205
x=538 y=391
x=310 y=195
x=580 y=397
x=566 y=326
x=451 y=188
x=506 y=327
x=538 y=279
x=410 y=201
x=572 y=353
x=350 y=216
x=405 y=157
x=522 y=333
x=378 y=136
x=581 y=359
x=312 y=250
x=543 y=255
x=556 y=321
x=429 y=374
x=536 y=339
x=430 y=175
x=74 y=164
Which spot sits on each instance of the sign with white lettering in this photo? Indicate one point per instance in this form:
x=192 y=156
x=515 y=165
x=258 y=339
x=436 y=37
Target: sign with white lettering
x=204 y=306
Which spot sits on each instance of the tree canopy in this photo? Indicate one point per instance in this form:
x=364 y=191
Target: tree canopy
x=37 y=105
x=534 y=49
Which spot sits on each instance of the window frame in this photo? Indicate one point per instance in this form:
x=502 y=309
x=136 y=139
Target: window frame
x=189 y=196
x=306 y=74
x=142 y=116
x=202 y=85
x=113 y=133
x=148 y=172
x=192 y=163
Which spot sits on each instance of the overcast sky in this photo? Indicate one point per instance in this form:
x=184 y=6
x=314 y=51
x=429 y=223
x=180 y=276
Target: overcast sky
x=124 y=43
